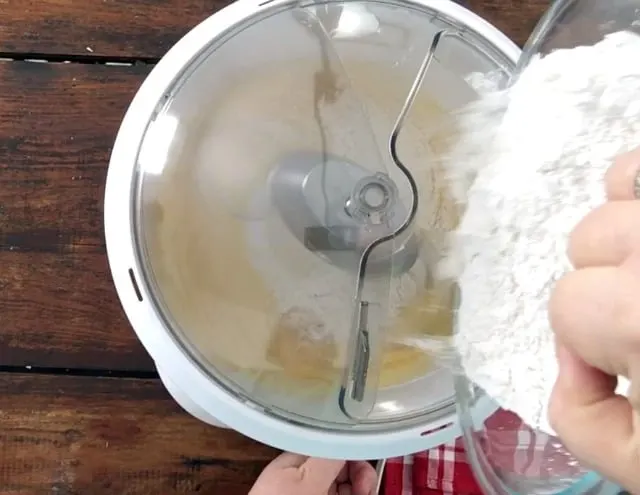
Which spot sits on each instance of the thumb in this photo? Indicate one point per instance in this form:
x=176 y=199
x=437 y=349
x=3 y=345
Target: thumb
x=318 y=475
x=593 y=422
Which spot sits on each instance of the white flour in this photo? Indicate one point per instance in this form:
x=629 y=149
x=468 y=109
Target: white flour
x=540 y=152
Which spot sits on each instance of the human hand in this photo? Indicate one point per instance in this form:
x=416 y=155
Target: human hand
x=291 y=474
x=595 y=313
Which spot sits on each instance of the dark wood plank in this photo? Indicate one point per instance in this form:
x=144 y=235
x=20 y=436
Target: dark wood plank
x=148 y=28
x=57 y=126
x=100 y=28
x=61 y=310
x=515 y=18
x=57 y=301
x=94 y=436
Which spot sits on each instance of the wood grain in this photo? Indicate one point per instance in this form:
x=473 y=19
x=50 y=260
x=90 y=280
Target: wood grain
x=146 y=29
x=57 y=126
x=515 y=18
x=58 y=305
x=61 y=310
x=94 y=436
x=99 y=28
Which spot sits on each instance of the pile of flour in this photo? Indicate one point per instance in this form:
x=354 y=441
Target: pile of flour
x=530 y=166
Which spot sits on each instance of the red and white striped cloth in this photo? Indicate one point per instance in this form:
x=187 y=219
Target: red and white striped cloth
x=511 y=447
x=443 y=470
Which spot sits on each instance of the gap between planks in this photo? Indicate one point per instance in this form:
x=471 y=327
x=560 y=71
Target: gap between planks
x=46 y=58
x=79 y=372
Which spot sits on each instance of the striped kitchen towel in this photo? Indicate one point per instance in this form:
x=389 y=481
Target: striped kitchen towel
x=515 y=451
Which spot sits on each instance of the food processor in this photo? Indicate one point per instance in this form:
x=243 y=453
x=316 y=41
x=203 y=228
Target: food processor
x=274 y=213
x=275 y=210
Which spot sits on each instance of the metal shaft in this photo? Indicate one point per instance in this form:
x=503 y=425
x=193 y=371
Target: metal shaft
x=360 y=369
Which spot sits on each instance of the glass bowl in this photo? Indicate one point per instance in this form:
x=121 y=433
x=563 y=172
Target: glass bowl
x=509 y=458
x=573 y=23
x=506 y=456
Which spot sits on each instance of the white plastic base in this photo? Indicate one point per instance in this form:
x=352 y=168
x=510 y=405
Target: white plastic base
x=185 y=402
x=484 y=408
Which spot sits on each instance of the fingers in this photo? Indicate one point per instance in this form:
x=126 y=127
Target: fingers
x=343 y=476
x=287 y=460
x=319 y=474
x=607 y=235
x=594 y=314
x=595 y=425
x=610 y=233
x=314 y=475
x=311 y=472
x=363 y=477
x=594 y=311
x=620 y=179
x=581 y=384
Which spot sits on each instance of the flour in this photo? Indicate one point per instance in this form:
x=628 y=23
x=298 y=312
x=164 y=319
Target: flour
x=530 y=166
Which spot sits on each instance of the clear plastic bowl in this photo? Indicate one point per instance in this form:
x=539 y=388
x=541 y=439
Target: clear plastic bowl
x=572 y=23
x=509 y=458
x=495 y=446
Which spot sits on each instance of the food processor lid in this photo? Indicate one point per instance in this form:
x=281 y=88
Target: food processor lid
x=274 y=217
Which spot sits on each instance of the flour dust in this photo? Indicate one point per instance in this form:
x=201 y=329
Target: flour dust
x=530 y=166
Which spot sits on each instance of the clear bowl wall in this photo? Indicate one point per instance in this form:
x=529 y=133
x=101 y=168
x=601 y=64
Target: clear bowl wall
x=572 y=23
x=509 y=458
x=491 y=443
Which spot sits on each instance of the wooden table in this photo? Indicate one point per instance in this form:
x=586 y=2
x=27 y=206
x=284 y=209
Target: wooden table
x=81 y=408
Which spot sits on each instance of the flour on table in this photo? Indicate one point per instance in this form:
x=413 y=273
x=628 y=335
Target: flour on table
x=531 y=165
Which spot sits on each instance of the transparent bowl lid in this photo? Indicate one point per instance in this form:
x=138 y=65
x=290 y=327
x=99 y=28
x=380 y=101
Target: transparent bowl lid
x=270 y=215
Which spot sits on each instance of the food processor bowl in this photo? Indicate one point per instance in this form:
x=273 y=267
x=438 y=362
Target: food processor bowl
x=256 y=166
x=508 y=457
